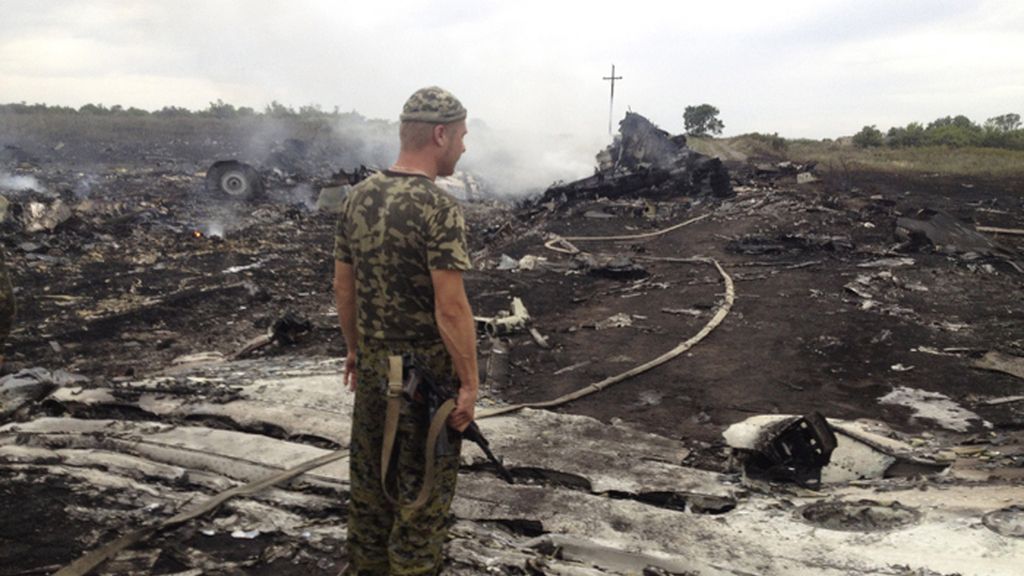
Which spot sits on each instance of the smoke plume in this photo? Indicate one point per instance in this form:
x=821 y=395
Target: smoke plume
x=517 y=164
x=17 y=183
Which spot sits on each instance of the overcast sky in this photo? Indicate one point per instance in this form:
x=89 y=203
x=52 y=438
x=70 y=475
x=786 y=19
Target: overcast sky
x=802 y=68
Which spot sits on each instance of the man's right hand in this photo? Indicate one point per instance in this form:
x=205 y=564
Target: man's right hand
x=350 y=371
x=465 y=407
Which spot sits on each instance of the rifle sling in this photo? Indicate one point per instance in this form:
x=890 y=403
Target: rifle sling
x=394 y=409
x=437 y=427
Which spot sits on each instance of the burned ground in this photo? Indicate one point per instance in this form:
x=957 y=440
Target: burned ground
x=834 y=311
x=797 y=339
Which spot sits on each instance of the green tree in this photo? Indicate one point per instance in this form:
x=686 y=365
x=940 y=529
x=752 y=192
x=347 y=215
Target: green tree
x=311 y=111
x=953 y=136
x=278 y=110
x=912 y=135
x=1014 y=140
x=173 y=112
x=94 y=109
x=955 y=131
x=702 y=120
x=958 y=121
x=1004 y=123
x=868 y=137
x=220 y=109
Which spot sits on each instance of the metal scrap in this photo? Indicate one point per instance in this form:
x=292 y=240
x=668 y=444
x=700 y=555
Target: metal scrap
x=617 y=267
x=946 y=234
x=645 y=159
x=1000 y=362
x=44 y=216
x=508 y=322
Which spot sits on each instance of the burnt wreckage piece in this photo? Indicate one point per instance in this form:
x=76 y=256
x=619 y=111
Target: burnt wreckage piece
x=794 y=450
x=944 y=233
x=644 y=158
x=354 y=177
x=234 y=179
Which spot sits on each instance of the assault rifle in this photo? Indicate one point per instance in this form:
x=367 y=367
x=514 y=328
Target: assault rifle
x=435 y=393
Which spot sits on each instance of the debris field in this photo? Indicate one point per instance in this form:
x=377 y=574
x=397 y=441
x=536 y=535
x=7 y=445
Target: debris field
x=175 y=343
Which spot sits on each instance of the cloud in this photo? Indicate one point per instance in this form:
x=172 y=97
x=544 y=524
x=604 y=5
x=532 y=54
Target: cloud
x=798 y=67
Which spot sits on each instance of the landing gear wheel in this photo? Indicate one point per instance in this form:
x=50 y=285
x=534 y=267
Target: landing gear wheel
x=234 y=179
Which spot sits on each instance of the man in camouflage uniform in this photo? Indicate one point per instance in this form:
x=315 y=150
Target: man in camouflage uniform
x=6 y=306
x=400 y=251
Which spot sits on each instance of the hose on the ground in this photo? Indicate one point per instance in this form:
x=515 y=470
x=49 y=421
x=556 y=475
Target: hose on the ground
x=90 y=561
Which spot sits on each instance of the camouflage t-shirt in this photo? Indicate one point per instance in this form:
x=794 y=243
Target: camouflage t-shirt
x=394 y=229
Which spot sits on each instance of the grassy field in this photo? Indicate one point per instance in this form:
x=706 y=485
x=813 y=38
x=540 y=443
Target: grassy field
x=119 y=138
x=839 y=155
x=355 y=140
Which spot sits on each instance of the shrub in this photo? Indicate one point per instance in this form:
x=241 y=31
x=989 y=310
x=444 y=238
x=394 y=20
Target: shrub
x=773 y=140
x=952 y=135
x=912 y=135
x=868 y=137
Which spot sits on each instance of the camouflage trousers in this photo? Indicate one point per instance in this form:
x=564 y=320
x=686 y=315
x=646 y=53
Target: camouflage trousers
x=384 y=539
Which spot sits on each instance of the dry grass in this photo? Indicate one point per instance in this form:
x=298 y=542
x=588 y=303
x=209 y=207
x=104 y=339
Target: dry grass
x=104 y=128
x=346 y=139
x=938 y=160
x=843 y=156
x=748 y=146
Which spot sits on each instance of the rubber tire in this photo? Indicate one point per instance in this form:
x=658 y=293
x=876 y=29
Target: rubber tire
x=235 y=180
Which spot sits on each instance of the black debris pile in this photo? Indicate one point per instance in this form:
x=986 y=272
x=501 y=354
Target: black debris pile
x=791 y=243
x=354 y=177
x=941 y=231
x=645 y=160
x=616 y=267
x=935 y=230
x=784 y=168
x=291 y=156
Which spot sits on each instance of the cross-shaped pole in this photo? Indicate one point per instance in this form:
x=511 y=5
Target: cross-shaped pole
x=611 y=103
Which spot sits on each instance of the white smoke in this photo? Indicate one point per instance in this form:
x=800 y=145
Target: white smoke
x=508 y=163
x=305 y=195
x=83 y=187
x=212 y=228
x=262 y=135
x=522 y=163
x=373 y=143
x=18 y=183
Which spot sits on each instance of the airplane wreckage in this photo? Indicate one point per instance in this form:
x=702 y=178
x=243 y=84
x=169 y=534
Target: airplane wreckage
x=692 y=367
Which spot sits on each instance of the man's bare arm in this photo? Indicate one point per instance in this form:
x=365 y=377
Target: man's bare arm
x=455 y=322
x=345 y=301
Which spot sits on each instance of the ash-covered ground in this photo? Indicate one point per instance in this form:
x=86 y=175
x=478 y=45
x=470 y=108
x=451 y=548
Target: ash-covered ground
x=862 y=296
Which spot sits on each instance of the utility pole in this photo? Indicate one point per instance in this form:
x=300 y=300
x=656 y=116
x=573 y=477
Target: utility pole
x=611 y=102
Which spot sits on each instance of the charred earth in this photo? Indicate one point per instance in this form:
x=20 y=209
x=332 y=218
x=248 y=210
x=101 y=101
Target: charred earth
x=173 y=343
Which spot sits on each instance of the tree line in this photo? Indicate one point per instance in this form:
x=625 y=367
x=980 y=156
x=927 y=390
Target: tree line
x=1003 y=131
x=218 y=109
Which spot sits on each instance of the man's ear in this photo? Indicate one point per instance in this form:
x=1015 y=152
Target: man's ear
x=440 y=135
